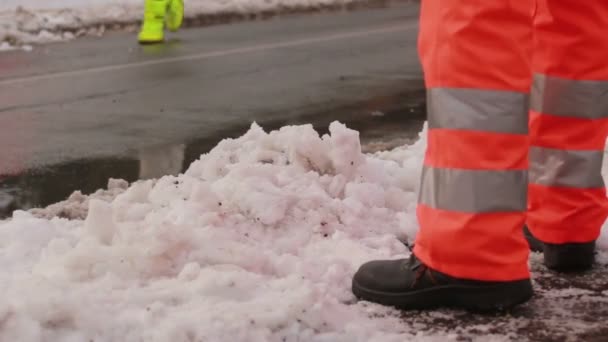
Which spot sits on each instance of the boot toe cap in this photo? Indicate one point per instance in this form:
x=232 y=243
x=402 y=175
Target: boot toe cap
x=380 y=275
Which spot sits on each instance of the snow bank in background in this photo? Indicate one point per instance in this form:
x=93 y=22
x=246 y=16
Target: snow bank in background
x=41 y=21
x=257 y=241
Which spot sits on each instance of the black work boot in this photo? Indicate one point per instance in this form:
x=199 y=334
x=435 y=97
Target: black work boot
x=569 y=257
x=566 y=257
x=535 y=244
x=409 y=284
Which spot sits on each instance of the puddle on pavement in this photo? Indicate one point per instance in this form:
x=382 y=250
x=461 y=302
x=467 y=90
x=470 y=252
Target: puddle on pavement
x=44 y=186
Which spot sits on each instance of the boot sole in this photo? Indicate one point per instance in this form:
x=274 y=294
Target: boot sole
x=570 y=257
x=487 y=298
x=150 y=42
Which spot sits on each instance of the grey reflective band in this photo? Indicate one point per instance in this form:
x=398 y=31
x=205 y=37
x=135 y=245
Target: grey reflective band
x=569 y=98
x=474 y=191
x=478 y=110
x=562 y=168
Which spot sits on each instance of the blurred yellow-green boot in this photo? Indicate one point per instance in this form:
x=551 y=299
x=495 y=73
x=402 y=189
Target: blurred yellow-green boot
x=154 y=21
x=175 y=15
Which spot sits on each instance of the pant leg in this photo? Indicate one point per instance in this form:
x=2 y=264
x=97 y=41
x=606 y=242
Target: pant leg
x=472 y=205
x=568 y=120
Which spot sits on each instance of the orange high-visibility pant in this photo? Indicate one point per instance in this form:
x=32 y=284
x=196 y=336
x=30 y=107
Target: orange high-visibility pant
x=489 y=166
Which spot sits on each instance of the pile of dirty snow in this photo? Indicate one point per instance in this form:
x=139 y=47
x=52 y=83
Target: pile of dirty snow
x=256 y=241
x=41 y=21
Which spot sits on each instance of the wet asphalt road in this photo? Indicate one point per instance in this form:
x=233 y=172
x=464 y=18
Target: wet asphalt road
x=74 y=114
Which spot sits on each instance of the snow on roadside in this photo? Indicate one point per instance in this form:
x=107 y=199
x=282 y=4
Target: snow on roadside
x=40 y=21
x=256 y=241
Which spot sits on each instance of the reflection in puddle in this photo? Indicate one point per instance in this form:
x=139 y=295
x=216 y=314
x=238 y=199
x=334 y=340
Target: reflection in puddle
x=168 y=47
x=156 y=162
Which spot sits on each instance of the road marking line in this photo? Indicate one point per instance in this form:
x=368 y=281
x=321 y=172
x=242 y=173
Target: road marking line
x=207 y=55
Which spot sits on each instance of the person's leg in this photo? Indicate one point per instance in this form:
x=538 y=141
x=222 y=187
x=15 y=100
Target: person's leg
x=175 y=14
x=568 y=128
x=152 y=29
x=472 y=206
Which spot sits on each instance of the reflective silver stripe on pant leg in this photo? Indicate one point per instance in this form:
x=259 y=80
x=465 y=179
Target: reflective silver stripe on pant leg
x=474 y=191
x=478 y=110
x=570 y=98
x=566 y=168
